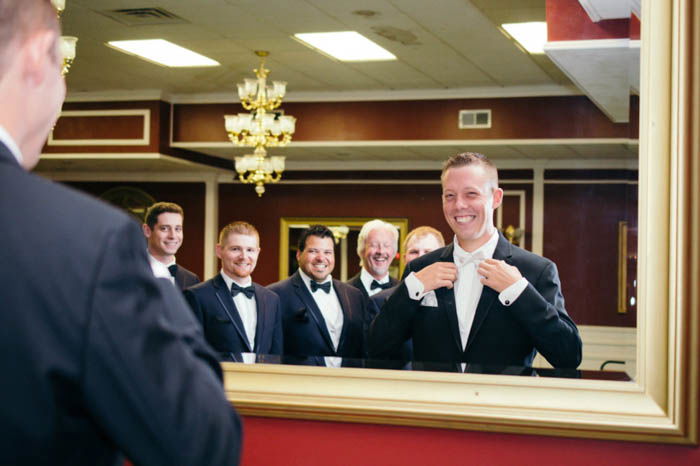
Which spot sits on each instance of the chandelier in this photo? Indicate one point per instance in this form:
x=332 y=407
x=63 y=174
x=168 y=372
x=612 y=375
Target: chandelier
x=261 y=128
x=68 y=43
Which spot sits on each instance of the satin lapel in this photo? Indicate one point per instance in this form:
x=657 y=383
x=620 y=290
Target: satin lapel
x=489 y=296
x=345 y=307
x=446 y=300
x=261 y=304
x=226 y=301
x=6 y=155
x=304 y=295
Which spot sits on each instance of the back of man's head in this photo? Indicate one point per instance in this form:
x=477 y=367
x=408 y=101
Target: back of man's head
x=18 y=19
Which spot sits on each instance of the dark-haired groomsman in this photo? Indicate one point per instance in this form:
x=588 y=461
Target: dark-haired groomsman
x=320 y=316
x=163 y=230
x=237 y=315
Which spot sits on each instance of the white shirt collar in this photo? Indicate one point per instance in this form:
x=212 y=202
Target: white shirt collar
x=367 y=279
x=6 y=139
x=484 y=252
x=307 y=279
x=247 y=282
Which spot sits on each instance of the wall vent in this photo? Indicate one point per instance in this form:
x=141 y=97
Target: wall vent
x=143 y=16
x=474 y=119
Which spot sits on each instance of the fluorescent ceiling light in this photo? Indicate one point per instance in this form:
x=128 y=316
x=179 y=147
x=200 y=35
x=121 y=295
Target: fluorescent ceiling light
x=532 y=36
x=162 y=52
x=345 y=46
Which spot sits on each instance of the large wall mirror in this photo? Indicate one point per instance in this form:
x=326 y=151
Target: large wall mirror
x=659 y=404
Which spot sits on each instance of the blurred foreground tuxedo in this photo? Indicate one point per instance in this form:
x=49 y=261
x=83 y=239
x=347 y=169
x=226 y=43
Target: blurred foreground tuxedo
x=98 y=358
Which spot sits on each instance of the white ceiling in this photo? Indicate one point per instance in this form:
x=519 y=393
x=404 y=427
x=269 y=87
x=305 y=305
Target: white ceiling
x=444 y=47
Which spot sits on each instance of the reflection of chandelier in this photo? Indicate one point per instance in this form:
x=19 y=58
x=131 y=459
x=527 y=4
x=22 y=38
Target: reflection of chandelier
x=67 y=44
x=261 y=128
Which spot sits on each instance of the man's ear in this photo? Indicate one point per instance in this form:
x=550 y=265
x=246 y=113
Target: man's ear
x=146 y=230
x=218 y=250
x=497 y=197
x=38 y=49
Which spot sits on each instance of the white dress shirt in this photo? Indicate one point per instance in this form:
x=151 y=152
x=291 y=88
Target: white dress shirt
x=330 y=308
x=247 y=308
x=160 y=270
x=6 y=139
x=366 y=278
x=468 y=286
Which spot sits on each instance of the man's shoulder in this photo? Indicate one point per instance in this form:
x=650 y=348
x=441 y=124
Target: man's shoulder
x=188 y=273
x=347 y=287
x=355 y=280
x=520 y=255
x=201 y=288
x=261 y=290
x=281 y=286
x=69 y=211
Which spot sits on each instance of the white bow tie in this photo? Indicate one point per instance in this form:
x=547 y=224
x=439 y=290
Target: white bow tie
x=463 y=258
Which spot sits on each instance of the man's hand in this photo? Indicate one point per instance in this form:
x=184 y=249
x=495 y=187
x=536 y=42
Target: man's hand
x=497 y=274
x=437 y=275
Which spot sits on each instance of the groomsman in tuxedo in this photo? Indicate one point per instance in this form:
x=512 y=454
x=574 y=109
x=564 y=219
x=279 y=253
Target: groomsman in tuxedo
x=163 y=229
x=321 y=316
x=418 y=242
x=376 y=247
x=480 y=299
x=98 y=358
x=237 y=315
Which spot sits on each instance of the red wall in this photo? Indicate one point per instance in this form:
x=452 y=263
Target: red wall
x=271 y=442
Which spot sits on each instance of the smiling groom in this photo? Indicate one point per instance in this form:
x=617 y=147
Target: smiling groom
x=237 y=315
x=480 y=299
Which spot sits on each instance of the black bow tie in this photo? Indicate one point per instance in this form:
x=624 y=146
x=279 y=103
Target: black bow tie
x=173 y=269
x=248 y=291
x=322 y=286
x=376 y=284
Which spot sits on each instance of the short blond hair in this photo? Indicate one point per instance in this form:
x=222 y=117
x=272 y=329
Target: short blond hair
x=420 y=232
x=471 y=158
x=240 y=228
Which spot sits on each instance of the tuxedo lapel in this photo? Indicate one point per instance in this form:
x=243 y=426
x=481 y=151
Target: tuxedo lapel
x=446 y=300
x=345 y=307
x=262 y=324
x=223 y=295
x=304 y=295
x=489 y=296
x=7 y=156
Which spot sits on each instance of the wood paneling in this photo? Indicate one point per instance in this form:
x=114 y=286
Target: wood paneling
x=513 y=118
x=580 y=236
x=567 y=20
x=99 y=127
x=190 y=196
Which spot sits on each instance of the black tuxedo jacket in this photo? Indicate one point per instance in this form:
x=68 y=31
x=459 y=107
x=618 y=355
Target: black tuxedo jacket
x=97 y=356
x=357 y=283
x=184 y=278
x=213 y=305
x=305 y=331
x=500 y=335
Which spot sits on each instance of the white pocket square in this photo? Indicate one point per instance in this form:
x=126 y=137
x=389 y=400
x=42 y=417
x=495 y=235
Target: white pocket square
x=429 y=300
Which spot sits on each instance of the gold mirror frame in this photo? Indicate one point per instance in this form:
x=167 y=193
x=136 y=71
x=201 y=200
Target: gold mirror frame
x=661 y=405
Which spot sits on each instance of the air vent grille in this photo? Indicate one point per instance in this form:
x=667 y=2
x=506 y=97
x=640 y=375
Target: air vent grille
x=474 y=119
x=143 y=16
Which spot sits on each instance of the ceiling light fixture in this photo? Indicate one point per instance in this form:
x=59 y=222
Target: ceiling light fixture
x=531 y=36
x=345 y=46
x=163 y=52
x=261 y=128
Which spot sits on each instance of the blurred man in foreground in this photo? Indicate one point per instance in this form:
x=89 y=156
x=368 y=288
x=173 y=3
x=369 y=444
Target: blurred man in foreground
x=98 y=358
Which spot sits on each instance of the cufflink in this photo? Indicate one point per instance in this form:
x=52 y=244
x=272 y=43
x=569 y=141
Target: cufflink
x=417 y=293
x=507 y=302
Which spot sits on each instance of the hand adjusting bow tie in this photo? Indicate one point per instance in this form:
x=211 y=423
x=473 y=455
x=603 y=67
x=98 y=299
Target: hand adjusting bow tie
x=323 y=286
x=376 y=284
x=172 y=269
x=248 y=291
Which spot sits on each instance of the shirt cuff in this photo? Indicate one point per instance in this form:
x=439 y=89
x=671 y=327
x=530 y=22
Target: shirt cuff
x=415 y=287
x=513 y=292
